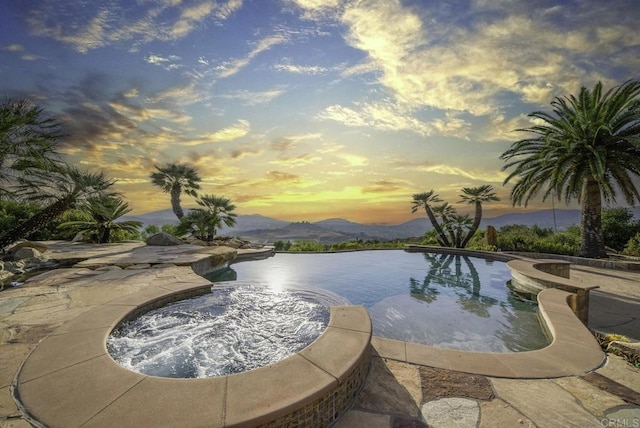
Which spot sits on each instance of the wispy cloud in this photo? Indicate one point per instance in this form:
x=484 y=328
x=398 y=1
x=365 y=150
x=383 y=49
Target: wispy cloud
x=233 y=67
x=254 y=98
x=170 y=62
x=136 y=23
x=300 y=69
x=230 y=133
x=388 y=116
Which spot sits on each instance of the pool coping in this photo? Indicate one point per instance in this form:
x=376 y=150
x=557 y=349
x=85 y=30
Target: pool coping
x=70 y=380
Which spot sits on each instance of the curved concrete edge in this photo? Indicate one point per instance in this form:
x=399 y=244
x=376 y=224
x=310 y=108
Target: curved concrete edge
x=69 y=379
x=573 y=350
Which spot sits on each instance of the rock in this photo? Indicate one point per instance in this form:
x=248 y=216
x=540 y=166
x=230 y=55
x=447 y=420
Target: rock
x=16 y=268
x=29 y=244
x=139 y=266
x=29 y=253
x=4 y=276
x=163 y=239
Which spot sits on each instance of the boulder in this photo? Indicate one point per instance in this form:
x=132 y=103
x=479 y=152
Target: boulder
x=16 y=268
x=4 y=276
x=29 y=244
x=163 y=239
x=29 y=253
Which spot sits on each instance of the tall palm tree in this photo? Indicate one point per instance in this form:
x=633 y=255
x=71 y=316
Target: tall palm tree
x=104 y=213
x=424 y=200
x=476 y=196
x=222 y=208
x=28 y=142
x=587 y=149
x=174 y=178
x=59 y=189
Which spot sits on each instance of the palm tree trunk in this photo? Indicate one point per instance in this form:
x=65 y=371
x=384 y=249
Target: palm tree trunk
x=592 y=240
x=175 y=202
x=477 y=218
x=442 y=238
x=38 y=221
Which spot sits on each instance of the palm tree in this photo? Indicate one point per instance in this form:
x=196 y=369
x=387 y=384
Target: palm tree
x=62 y=188
x=444 y=212
x=27 y=142
x=587 y=149
x=103 y=212
x=459 y=224
x=175 y=178
x=424 y=200
x=476 y=196
x=222 y=209
x=200 y=223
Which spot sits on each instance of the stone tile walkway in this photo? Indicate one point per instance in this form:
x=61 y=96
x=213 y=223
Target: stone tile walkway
x=397 y=394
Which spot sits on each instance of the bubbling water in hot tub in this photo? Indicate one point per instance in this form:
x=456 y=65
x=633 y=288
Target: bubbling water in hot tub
x=232 y=329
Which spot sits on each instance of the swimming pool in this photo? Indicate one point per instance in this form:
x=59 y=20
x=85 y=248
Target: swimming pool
x=443 y=300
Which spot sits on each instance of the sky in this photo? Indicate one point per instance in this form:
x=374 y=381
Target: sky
x=309 y=109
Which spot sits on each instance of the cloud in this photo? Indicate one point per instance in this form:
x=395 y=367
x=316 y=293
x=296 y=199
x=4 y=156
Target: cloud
x=230 y=133
x=353 y=160
x=444 y=169
x=387 y=186
x=233 y=67
x=135 y=23
x=424 y=61
x=14 y=48
x=254 y=98
x=168 y=63
x=300 y=69
x=388 y=116
x=279 y=176
x=300 y=160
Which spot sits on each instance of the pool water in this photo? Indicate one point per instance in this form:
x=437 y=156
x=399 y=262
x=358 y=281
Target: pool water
x=234 y=328
x=443 y=300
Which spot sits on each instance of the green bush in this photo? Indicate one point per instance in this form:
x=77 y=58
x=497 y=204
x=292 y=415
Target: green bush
x=311 y=246
x=539 y=240
x=633 y=246
x=13 y=213
x=618 y=227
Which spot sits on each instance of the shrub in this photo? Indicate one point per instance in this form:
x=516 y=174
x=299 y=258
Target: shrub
x=312 y=246
x=539 y=240
x=633 y=246
x=618 y=227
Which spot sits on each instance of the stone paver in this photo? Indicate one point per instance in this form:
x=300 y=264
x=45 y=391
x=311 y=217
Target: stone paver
x=359 y=419
x=627 y=416
x=594 y=400
x=497 y=413
x=544 y=402
x=451 y=413
x=392 y=387
x=619 y=370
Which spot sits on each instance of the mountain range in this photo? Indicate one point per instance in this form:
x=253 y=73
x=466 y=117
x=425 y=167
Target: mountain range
x=258 y=228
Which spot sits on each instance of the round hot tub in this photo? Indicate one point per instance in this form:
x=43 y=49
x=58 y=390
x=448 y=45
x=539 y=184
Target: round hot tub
x=234 y=328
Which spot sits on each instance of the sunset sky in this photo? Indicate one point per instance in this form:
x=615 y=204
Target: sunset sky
x=308 y=109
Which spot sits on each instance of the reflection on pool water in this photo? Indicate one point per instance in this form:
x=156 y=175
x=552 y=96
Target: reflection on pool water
x=443 y=300
x=232 y=329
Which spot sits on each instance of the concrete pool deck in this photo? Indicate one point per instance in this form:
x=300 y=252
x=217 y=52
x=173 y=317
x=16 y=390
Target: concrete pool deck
x=404 y=387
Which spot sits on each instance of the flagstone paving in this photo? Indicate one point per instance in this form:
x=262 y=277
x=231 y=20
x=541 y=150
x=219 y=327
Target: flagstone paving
x=396 y=394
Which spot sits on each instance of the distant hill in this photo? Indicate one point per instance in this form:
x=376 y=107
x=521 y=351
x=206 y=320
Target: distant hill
x=259 y=228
